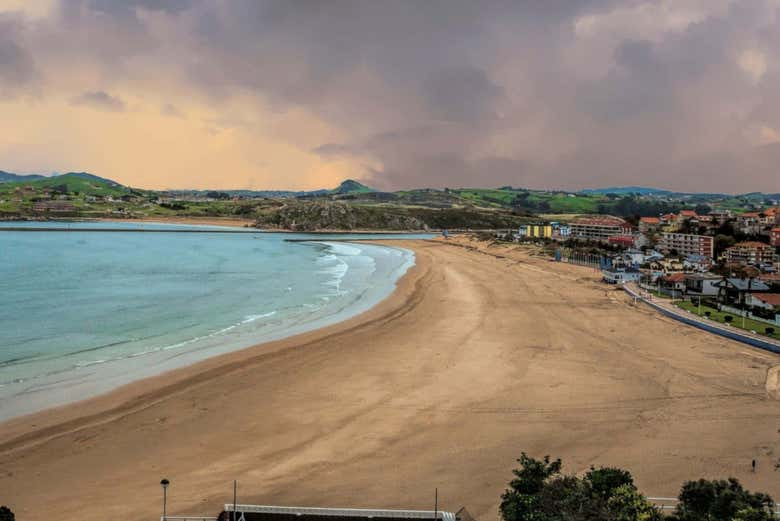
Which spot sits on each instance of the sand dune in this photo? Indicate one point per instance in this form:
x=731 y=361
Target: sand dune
x=474 y=359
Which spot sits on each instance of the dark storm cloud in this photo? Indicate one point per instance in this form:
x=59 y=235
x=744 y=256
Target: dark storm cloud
x=17 y=68
x=555 y=93
x=99 y=100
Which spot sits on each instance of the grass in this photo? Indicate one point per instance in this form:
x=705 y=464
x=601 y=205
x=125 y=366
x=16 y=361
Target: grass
x=718 y=316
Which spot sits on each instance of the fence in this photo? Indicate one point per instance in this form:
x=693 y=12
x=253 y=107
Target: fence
x=693 y=320
x=187 y=518
x=580 y=258
x=748 y=314
x=667 y=504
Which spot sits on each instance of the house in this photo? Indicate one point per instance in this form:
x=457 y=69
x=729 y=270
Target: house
x=272 y=513
x=620 y=275
x=649 y=224
x=764 y=301
x=752 y=253
x=749 y=223
x=720 y=216
x=669 y=265
x=561 y=230
x=688 y=215
x=733 y=290
x=626 y=241
x=632 y=258
x=687 y=244
x=774 y=237
x=599 y=227
x=702 y=284
x=773 y=215
x=673 y=284
x=700 y=263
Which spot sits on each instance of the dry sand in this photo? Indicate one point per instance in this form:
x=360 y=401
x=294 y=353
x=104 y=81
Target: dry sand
x=475 y=358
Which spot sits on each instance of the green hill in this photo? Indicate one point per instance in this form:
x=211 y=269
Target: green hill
x=350 y=186
x=8 y=177
x=74 y=183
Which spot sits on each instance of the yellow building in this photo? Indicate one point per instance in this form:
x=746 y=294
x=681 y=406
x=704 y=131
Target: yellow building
x=535 y=231
x=539 y=231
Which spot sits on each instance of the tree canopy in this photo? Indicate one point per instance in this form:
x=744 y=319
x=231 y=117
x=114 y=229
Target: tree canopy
x=541 y=492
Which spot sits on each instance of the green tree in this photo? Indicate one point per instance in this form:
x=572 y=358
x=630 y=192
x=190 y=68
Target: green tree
x=627 y=504
x=520 y=502
x=541 y=493
x=6 y=514
x=605 y=480
x=721 y=500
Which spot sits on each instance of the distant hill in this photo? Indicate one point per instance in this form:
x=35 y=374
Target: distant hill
x=90 y=177
x=8 y=177
x=350 y=186
x=623 y=190
x=73 y=183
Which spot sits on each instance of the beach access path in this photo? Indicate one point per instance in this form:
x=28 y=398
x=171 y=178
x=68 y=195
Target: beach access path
x=668 y=307
x=481 y=353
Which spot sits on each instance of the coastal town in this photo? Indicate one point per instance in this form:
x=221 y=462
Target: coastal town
x=267 y=260
x=721 y=265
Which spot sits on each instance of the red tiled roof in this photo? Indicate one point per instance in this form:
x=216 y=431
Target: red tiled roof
x=751 y=244
x=770 y=298
x=674 y=277
x=669 y=216
x=688 y=213
x=650 y=220
x=749 y=214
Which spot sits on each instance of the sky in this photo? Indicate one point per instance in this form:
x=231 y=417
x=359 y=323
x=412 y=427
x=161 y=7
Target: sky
x=301 y=94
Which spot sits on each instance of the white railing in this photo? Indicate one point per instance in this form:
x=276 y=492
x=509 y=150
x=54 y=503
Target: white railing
x=670 y=503
x=187 y=518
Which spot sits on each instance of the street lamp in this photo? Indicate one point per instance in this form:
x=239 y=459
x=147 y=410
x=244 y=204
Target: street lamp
x=164 y=484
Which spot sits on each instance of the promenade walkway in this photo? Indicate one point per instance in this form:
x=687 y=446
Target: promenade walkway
x=669 y=309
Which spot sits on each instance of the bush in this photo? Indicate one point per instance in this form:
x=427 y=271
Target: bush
x=769 y=331
x=727 y=319
x=707 y=314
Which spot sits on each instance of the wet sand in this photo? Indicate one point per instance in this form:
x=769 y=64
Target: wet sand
x=480 y=354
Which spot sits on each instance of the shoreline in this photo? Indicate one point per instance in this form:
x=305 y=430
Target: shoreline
x=11 y=429
x=441 y=385
x=115 y=373
x=226 y=222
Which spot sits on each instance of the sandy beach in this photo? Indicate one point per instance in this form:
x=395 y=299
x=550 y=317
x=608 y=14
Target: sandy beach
x=480 y=354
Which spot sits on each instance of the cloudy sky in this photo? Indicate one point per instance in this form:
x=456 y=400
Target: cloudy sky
x=681 y=94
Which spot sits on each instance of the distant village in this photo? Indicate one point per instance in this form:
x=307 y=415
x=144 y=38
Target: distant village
x=724 y=265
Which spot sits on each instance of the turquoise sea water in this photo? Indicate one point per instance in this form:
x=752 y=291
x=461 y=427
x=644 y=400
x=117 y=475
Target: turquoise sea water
x=84 y=312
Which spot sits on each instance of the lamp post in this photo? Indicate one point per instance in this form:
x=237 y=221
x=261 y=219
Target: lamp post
x=164 y=484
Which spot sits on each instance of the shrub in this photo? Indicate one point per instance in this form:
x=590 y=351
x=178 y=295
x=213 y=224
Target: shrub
x=707 y=314
x=727 y=319
x=769 y=331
